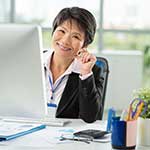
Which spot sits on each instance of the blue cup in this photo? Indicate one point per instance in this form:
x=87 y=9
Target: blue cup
x=123 y=134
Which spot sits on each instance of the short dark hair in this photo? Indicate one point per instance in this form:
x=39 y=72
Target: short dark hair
x=84 y=19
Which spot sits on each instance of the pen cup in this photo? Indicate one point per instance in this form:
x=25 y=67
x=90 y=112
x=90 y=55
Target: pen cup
x=124 y=134
x=51 y=110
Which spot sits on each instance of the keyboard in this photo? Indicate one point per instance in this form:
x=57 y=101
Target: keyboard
x=56 y=122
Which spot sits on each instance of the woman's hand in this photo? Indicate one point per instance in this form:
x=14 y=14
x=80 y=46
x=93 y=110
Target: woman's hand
x=87 y=61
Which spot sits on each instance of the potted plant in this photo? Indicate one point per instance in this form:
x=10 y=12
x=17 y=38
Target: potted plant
x=143 y=128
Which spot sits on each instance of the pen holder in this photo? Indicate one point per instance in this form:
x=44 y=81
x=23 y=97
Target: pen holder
x=123 y=134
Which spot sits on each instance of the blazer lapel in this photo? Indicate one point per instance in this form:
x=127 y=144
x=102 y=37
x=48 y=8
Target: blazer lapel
x=70 y=91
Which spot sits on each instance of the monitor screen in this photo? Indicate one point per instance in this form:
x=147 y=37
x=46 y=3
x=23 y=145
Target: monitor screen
x=21 y=71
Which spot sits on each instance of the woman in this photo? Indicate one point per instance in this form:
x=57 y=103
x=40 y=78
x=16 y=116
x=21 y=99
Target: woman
x=72 y=79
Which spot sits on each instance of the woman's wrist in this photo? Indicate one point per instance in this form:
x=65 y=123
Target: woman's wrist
x=83 y=77
x=85 y=72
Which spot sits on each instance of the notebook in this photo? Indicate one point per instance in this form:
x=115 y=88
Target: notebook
x=11 y=130
x=22 y=93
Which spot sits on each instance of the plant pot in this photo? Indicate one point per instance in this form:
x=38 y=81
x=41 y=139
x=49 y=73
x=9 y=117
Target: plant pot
x=143 y=132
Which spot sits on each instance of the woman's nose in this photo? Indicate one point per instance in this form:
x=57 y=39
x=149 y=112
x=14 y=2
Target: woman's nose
x=66 y=39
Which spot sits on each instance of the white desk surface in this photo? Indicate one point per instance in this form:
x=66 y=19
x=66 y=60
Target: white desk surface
x=41 y=140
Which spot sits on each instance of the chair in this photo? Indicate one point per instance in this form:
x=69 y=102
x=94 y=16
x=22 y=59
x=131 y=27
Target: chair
x=102 y=63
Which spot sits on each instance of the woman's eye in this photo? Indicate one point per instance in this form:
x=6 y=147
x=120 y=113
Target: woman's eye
x=76 y=37
x=62 y=31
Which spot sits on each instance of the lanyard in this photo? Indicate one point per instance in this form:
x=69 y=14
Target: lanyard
x=51 y=85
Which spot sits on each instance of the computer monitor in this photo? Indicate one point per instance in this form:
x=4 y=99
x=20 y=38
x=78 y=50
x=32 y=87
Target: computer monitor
x=21 y=71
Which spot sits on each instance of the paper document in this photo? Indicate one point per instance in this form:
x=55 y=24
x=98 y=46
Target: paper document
x=11 y=130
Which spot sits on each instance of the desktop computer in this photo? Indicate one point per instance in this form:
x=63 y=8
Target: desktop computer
x=21 y=71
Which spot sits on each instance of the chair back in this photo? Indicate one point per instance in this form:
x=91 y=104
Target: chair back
x=102 y=63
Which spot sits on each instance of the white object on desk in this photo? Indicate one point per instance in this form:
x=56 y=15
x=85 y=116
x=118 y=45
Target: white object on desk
x=47 y=121
x=143 y=131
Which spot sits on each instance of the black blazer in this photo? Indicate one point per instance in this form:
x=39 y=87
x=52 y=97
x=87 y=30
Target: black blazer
x=82 y=98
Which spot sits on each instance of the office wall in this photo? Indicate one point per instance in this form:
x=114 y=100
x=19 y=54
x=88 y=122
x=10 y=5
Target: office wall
x=126 y=69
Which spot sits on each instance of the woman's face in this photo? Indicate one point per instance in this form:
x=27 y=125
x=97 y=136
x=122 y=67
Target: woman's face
x=68 y=39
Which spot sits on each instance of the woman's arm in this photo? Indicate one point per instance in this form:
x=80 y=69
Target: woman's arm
x=90 y=96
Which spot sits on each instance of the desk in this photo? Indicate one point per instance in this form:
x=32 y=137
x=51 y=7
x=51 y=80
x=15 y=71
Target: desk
x=40 y=140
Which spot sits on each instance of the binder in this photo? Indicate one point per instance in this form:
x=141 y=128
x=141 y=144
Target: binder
x=11 y=130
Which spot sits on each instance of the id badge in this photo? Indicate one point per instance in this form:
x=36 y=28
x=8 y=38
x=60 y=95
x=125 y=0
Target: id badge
x=51 y=110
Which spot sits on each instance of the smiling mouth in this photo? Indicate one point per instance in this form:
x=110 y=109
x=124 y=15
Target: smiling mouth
x=63 y=47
